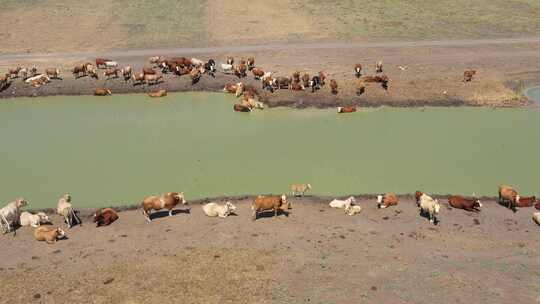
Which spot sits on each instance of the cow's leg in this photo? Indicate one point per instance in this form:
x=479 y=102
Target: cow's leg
x=254 y=216
x=276 y=212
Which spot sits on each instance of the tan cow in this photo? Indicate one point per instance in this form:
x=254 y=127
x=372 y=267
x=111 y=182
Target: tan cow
x=102 y=92
x=269 y=203
x=49 y=234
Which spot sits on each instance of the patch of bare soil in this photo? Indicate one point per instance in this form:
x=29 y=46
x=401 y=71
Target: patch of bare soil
x=316 y=254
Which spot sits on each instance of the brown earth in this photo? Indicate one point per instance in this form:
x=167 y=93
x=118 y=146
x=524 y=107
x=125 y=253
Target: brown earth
x=315 y=255
x=432 y=75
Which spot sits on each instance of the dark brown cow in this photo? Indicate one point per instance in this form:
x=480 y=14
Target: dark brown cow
x=469 y=204
x=251 y=63
x=358 y=70
x=468 y=75
x=105 y=217
x=526 y=201
x=333 y=86
x=346 y=109
x=257 y=73
x=305 y=80
x=100 y=62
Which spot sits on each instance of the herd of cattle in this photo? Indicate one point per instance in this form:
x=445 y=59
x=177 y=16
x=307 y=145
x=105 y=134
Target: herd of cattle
x=195 y=68
x=12 y=216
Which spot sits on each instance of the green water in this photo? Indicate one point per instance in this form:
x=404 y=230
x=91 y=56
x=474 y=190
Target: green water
x=118 y=149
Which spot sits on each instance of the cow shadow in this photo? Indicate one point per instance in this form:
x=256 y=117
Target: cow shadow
x=268 y=214
x=161 y=214
x=426 y=216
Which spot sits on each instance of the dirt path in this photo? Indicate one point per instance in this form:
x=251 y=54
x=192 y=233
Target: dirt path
x=315 y=255
x=271 y=47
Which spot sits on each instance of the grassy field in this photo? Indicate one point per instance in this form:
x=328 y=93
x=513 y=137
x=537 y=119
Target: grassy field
x=74 y=25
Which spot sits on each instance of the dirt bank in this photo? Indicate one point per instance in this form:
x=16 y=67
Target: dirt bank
x=315 y=255
x=420 y=75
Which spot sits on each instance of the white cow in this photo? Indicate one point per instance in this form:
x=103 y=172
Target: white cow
x=213 y=209
x=34 y=220
x=10 y=215
x=431 y=207
x=197 y=62
x=342 y=203
x=353 y=210
x=111 y=64
x=65 y=209
x=227 y=68
x=37 y=77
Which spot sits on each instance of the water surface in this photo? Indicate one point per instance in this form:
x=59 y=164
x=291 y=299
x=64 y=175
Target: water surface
x=118 y=149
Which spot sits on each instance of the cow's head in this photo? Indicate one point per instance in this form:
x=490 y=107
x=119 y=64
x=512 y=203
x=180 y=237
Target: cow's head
x=180 y=197
x=60 y=233
x=436 y=207
x=230 y=207
x=379 y=199
x=43 y=218
x=417 y=195
x=66 y=197
x=21 y=202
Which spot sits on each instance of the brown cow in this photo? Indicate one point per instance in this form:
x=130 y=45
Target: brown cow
x=251 y=63
x=105 y=217
x=305 y=80
x=269 y=203
x=282 y=82
x=167 y=201
x=322 y=78
x=257 y=73
x=101 y=62
x=111 y=72
x=14 y=72
x=126 y=72
x=53 y=73
x=195 y=75
x=382 y=79
x=102 y=92
x=460 y=202
x=346 y=109
x=153 y=79
x=358 y=70
x=241 y=108
x=526 y=201
x=78 y=70
x=159 y=93
x=138 y=78
x=468 y=75
x=296 y=86
x=240 y=70
x=333 y=86
x=148 y=71
x=388 y=200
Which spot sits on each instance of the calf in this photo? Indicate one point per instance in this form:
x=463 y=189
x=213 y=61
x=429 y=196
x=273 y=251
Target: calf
x=49 y=234
x=269 y=203
x=105 y=217
x=166 y=201
x=468 y=204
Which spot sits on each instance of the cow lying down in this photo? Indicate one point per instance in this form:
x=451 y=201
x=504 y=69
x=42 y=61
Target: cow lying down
x=213 y=209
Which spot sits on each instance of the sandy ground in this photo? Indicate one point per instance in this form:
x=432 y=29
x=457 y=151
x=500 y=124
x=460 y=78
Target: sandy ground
x=431 y=74
x=315 y=255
